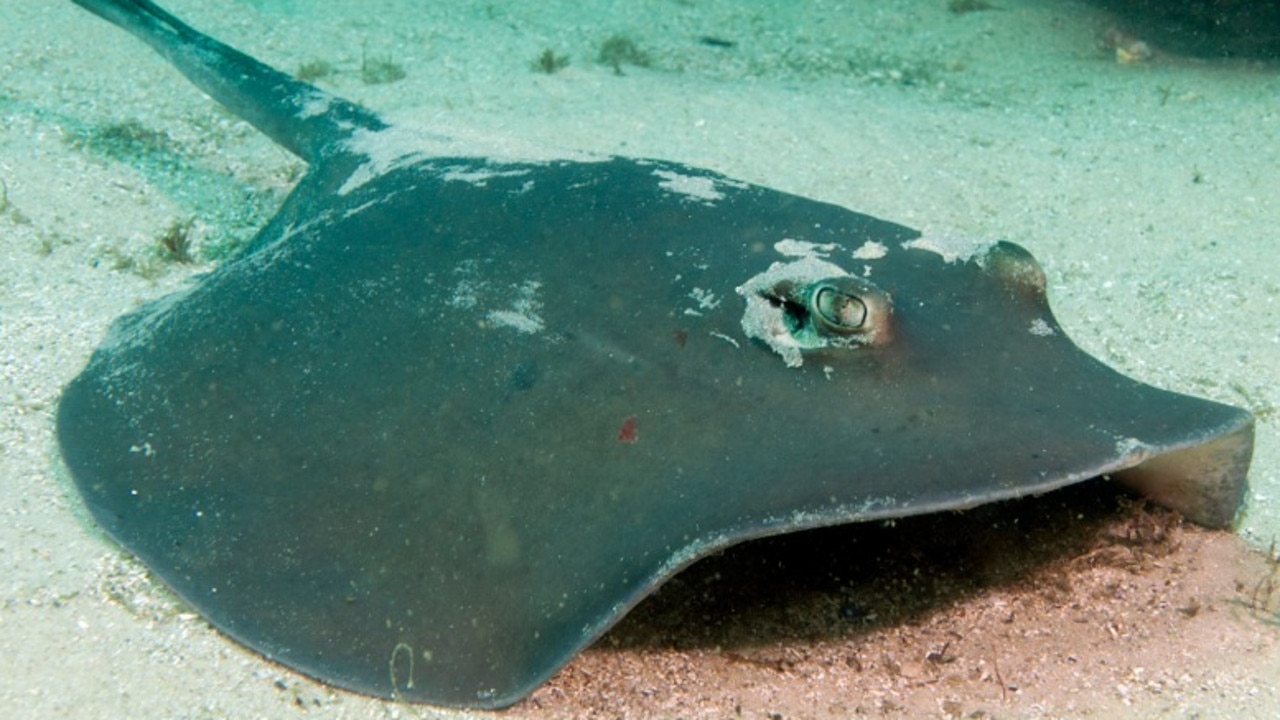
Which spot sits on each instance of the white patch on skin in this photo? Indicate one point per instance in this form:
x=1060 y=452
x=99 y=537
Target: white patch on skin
x=952 y=248
x=402 y=145
x=478 y=177
x=800 y=248
x=871 y=250
x=466 y=293
x=361 y=208
x=315 y=105
x=725 y=338
x=1132 y=451
x=522 y=322
x=702 y=188
x=1041 y=328
x=523 y=315
x=706 y=299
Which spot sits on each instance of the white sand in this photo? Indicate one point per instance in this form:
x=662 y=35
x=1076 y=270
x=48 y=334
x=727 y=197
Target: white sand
x=1149 y=192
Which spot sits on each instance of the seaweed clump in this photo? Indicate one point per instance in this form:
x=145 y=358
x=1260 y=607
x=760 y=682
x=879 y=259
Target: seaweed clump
x=962 y=7
x=549 y=62
x=315 y=70
x=379 y=70
x=128 y=141
x=7 y=210
x=621 y=50
x=174 y=244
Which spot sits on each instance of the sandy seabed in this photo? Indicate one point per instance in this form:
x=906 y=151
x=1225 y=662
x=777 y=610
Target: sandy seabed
x=1148 y=191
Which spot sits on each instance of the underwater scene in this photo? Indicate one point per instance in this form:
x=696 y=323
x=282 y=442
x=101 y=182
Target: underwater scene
x=643 y=359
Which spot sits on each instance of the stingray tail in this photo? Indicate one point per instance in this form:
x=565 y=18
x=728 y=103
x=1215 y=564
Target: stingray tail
x=306 y=120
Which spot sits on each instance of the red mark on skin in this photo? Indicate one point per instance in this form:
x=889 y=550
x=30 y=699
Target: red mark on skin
x=628 y=432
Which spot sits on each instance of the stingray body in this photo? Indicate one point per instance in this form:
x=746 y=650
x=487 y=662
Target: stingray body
x=451 y=415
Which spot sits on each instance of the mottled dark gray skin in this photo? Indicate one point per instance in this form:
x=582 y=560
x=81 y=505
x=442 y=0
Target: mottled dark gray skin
x=450 y=417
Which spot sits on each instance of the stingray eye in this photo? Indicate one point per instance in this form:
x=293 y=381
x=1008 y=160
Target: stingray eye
x=847 y=309
x=813 y=305
x=837 y=311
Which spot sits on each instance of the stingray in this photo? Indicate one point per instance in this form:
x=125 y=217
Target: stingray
x=458 y=407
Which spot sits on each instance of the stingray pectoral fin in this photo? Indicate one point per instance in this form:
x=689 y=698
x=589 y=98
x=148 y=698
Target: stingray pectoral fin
x=1204 y=477
x=302 y=118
